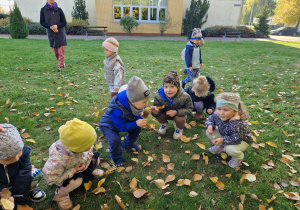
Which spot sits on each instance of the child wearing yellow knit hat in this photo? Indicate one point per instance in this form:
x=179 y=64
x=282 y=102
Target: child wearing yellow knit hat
x=71 y=160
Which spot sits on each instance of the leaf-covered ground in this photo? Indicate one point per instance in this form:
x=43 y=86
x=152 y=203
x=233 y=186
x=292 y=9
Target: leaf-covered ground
x=169 y=174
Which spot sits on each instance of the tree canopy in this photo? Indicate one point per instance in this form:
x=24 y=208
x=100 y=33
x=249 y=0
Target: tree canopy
x=288 y=12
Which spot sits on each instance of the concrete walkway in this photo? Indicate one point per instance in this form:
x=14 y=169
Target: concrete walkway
x=173 y=38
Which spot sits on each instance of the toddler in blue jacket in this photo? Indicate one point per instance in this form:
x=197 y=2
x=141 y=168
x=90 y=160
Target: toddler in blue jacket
x=124 y=115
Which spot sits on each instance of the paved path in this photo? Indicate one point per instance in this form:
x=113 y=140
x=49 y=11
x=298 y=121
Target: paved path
x=173 y=38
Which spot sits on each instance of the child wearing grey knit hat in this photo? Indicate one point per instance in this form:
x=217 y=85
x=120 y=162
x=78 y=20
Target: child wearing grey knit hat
x=16 y=169
x=124 y=115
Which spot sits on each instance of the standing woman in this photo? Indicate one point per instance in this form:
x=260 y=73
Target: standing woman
x=53 y=19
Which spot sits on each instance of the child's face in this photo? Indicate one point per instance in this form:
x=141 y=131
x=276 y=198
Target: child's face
x=141 y=104
x=108 y=53
x=225 y=113
x=11 y=160
x=170 y=90
x=196 y=41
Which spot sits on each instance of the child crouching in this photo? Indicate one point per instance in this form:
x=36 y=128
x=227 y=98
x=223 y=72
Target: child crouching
x=71 y=160
x=171 y=103
x=227 y=128
x=124 y=115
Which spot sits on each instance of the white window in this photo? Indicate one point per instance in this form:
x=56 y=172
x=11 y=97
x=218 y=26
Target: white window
x=148 y=11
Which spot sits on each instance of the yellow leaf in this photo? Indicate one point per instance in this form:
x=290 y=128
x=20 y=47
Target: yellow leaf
x=120 y=169
x=170 y=178
x=197 y=177
x=7 y=204
x=87 y=185
x=253 y=122
x=104 y=207
x=242 y=178
x=285 y=133
x=195 y=157
x=50 y=99
x=98 y=146
x=99 y=190
x=159 y=183
x=7 y=101
x=135 y=160
x=205 y=159
x=170 y=166
x=161 y=107
x=120 y=202
x=292 y=195
x=60 y=103
x=161 y=170
x=224 y=155
x=220 y=185
x=166 y=158
x=133 y=183
x=261 y=207
x=213 y=179
x=185 y=139
x=271 y=199
x=202 y=146
x=254 y=139
x=193 y=123
x=31 y=140
x=60 y=94
x=25 y=135
x=146 y=152
x=101 y=182
x=228 y=175
x=272 y=144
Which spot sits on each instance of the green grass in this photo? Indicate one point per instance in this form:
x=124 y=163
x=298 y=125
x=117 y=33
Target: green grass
x=265 y=74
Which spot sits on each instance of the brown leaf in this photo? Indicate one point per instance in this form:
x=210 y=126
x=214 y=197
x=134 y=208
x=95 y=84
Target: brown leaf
x=99 y=190
x=5 y=193
x=241 y=207
x=128 y=169
x=292 y=195
x=170 y=178
x=76 y=207
x=185 y=139
x=182 y=182
x=7 y=101
x=165 y=158
x=242 y=197
x=25 y=135
x=170 y=166
x=195 y=157
x=242 y=178
x=197 y=177
x=271 y=199
x=133 y=183
x=276 y=186
x=104 y=207
x=140 y=192
x=159 y=183
x=145 y=114
x=202 y=146
x=193 y=123
x=161 y=170
x=120 y=202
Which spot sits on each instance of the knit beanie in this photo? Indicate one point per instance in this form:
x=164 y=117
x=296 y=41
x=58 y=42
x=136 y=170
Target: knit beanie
x=172 y=77
x=77 y=135
x=11 y=142
x=196 y=34
x=111 y=44
x=137 y=90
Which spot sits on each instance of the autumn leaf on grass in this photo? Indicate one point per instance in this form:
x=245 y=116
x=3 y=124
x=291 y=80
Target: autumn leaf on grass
x=128 y=169
x=119 y=169
x=242 y=197
x=202 y=146
x=242 y=178
x=170 y=178
x=182 y=182
x=133 y=184
x=135 y=160
x=99 y=190
x=101 y=182
x=197 y=177
x=120 y=202
x=60 y=103
x=185 y=139
x=195 y=157
x=76 y=207
x=290 y=158
x=195 y=137
x=193 y=123
x=145 y=114
x=170 y=166
x=161 y=170
x=292 y=195
x=271 y=199
x=193 y=194
x=250 y=177
x=160 y=184
x=87 y=186
x=272 y=144
x=284 y=160
x=140 y=192
x=261 y=207
x=205 y=158
x=104 y=165
x=25 y=135
x=165 y=158
x=219 y=184
x=31 y=140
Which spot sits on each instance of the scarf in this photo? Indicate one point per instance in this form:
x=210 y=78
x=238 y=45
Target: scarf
x=54 y=6
x=135 y=111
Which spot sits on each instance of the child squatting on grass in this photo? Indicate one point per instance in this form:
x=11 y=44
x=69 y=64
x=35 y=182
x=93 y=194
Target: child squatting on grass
x=193 y=59
x=16 y=170
x=124 y=115
x=171 y=103
x=71 y=160
x=202 y=96
x=227 y=128
x=113 y=65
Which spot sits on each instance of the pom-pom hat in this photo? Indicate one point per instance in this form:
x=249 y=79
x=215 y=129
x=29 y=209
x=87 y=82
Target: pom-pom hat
x=196 y=34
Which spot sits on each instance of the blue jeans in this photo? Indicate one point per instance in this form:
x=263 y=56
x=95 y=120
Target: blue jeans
x=191 y=75
x=115 y=143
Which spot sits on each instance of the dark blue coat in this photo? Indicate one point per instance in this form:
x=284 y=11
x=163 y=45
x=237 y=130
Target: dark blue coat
x=118 y=116
x=19 y=174
x=189 y=53
x=209 y=100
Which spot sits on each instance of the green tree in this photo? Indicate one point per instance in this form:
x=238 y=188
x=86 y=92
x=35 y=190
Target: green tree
x=196 y=16
x=262 y=27
x=17 y=26
x=288 y=12
x=128 y=23
x=79 y=10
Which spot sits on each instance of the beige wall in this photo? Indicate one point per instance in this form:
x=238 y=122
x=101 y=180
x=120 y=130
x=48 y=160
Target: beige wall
x=220 y=12
x=104 y=10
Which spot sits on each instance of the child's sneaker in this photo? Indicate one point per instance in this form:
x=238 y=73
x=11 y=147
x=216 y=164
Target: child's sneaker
x=37 y=195
x=63 y=201
x=59 y=69
x=163 y=128
x=177 y=133
x=98 y=173
x=233 y=163
x=185 y=71
x=119 y=162
x=216 y=149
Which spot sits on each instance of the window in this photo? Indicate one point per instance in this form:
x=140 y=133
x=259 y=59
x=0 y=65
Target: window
x=152 y=11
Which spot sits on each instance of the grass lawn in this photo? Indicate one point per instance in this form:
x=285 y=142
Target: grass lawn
x=265 y=74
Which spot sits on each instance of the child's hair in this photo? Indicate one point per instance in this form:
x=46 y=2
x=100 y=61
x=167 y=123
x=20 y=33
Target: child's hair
x=235 y=97
x=201 y=86
x=112 y=41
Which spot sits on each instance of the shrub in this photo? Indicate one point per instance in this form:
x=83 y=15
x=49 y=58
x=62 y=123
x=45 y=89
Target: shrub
x=78 y=22
x=3 y=16
x=5 y=21
x=128 y=23
x=27 y=20
x=76 y=27
x=36 y=28
x=247 y=31
x=4 y=29
x=216 y=31
x=17 y=26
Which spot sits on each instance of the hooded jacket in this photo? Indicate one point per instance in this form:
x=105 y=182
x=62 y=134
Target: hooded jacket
x=181 y=102
x=190 y=48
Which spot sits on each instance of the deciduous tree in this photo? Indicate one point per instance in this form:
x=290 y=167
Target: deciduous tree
x=288 y=12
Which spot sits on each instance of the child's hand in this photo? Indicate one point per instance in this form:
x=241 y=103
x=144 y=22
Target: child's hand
x=201 y=64
x=80 y=167
x=154 y=109
x=217 y=141
x=209 y=111
x=210 y=130
x=24 y=207
x=141 y=123
x=191 y=69
x=2 y=129
x=171 y=113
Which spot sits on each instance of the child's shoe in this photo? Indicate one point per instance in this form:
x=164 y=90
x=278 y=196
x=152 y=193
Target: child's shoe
x=98 y=173
x=177 y=133
x=198 y=115
x=59 y=69
x=163 y=128
x=119 y=162
x=63 y=201
x=185 y=71
x=216 y=149
x=37 y=195
x=233 y=163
